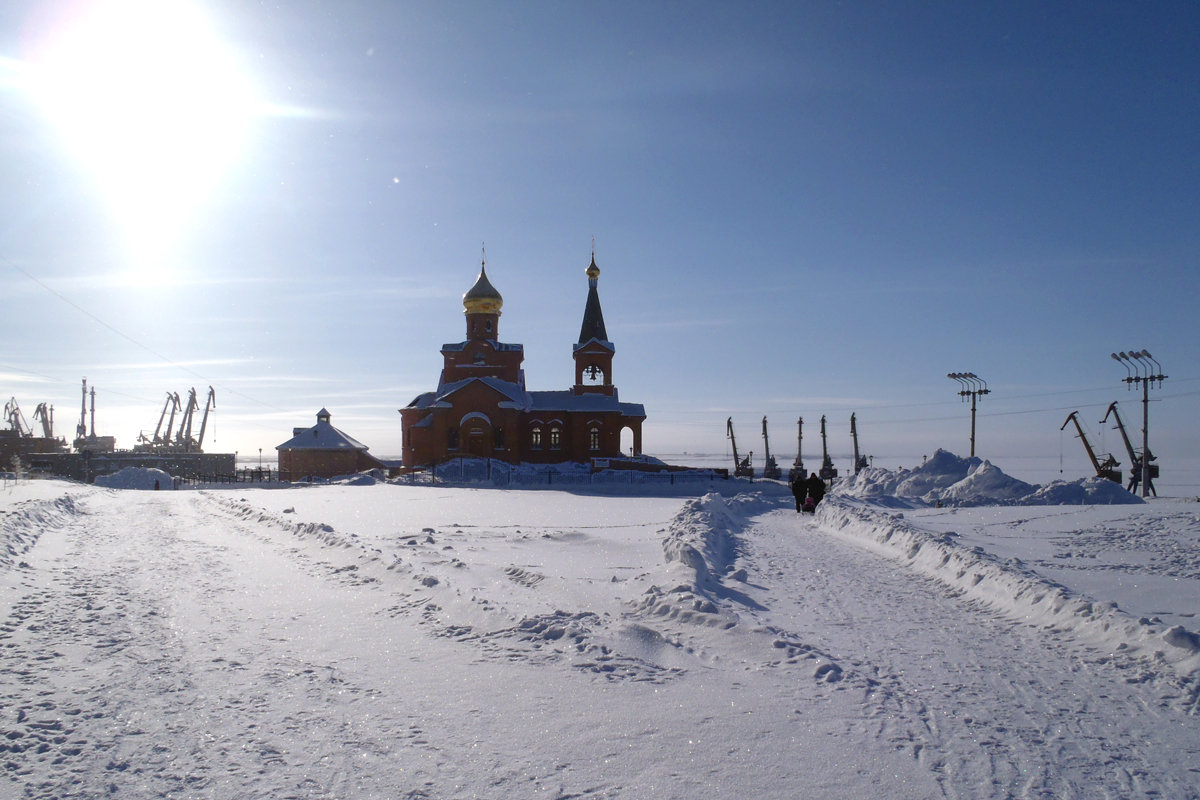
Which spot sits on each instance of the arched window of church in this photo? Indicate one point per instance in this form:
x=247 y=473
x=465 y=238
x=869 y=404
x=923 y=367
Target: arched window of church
x=499 y=437
x=452 y=439
x=535 y=437
x=555 y=438
x=594 y=438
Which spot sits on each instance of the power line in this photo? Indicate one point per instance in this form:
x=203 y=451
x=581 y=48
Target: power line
x=113 y=329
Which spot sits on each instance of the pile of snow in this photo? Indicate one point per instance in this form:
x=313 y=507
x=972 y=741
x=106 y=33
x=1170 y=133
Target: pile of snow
x=1086 y=491
x=700 y=548
x=135 y=478
x=947 y=479
x=369 y=477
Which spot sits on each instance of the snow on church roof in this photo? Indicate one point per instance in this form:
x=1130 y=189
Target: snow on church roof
x=499 y=347
x=534 y=400
x=569 y=401
x=322 y=436
x=515 y=393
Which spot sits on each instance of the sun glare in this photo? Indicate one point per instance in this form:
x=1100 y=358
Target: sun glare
x=153 y=103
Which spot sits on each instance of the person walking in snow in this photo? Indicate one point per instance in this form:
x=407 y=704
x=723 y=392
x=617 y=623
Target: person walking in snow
x=799 y=491
x=816 y=488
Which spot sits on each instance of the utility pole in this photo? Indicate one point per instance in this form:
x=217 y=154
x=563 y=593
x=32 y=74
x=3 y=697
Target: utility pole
x=971 y=385
x=1145 y=372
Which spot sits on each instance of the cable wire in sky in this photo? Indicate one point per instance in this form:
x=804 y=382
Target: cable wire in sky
x=116 y=331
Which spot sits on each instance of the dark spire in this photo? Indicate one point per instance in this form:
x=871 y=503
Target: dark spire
x=593 y=316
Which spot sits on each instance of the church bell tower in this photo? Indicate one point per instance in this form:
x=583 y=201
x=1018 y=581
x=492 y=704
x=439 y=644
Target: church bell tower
x=593 y=352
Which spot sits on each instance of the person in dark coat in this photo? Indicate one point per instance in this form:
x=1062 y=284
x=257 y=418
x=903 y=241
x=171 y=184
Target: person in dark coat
x=815 y=487
x=800 y=491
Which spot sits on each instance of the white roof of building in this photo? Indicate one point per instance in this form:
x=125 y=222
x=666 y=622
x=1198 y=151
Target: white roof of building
x=322 y=436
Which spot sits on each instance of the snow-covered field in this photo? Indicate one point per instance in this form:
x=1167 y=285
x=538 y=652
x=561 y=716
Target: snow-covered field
x=391 y=641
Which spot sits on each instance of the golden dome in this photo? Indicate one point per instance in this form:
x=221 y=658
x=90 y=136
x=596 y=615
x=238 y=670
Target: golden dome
x=482 y=298
x=593 y=271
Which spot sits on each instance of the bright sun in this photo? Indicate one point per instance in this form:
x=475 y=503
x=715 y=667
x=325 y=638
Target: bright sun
x=152 y=102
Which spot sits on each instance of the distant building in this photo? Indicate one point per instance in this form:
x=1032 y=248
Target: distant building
x=481 y=407
x=322 y=451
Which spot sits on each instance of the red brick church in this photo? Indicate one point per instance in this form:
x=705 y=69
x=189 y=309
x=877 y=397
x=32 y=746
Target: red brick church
x=481 y=407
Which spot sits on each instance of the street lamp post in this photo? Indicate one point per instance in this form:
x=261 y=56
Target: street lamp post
x=970 y=385
x=1145 y=372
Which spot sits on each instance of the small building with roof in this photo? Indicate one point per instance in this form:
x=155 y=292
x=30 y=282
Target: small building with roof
x=322 y=451
x=482 y=407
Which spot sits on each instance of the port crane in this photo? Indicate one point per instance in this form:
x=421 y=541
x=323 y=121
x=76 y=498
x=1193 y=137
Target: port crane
x=742 y=468
x=860 y=462
x=1135 y=460
x=86 y=441
x=210 y=403
x=828 y=471
x=15 y=419
x=81 y=430
x=172 y=404
x=45 y=415
x=1104 y=469
x=175 y=408
x=797 y=472
x=771 y=469
x=184 y=437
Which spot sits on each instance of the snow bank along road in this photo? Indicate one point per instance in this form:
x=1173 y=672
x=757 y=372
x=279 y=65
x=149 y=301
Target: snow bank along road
x=415 y=642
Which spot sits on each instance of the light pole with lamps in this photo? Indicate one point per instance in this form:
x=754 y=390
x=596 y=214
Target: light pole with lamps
x=1145 y=372
x=970 y=385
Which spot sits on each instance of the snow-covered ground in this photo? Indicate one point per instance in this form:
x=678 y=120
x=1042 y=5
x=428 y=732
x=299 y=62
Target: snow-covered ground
x=353 y=641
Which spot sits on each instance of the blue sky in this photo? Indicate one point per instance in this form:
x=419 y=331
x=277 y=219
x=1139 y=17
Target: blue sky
x=798 y=209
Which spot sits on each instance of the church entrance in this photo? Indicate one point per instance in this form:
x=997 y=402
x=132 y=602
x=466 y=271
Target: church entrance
x=476 y=431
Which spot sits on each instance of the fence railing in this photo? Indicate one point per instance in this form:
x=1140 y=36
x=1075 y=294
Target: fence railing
x=244 y=475
x=502 y=474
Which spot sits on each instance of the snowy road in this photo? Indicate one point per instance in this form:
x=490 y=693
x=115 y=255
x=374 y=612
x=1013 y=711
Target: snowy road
x=395 y=642
x=990 y=706
x=157 y=659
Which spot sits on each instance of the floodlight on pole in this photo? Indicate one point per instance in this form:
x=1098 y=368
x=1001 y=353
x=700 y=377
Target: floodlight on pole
x=972 y=386
x=1120 y=360
x=1142 y=369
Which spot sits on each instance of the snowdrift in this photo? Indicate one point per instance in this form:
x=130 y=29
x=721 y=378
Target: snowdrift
x=700 y=548
x=23 y=526
x=950 y=480
x=1013 y=589
x=135 y=478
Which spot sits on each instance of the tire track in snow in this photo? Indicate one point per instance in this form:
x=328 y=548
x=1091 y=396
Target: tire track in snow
x=990 y=706
x=136 y=664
